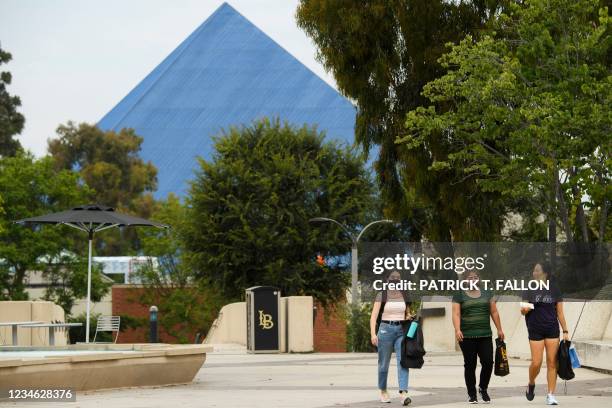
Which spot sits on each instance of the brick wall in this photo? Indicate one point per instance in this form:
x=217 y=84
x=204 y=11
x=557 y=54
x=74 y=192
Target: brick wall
x=330 y=331
x=126 y=302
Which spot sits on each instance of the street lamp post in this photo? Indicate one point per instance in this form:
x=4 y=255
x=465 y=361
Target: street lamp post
x=354 y=241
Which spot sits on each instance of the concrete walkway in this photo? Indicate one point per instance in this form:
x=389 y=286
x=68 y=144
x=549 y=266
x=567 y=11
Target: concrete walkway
x=232 y=378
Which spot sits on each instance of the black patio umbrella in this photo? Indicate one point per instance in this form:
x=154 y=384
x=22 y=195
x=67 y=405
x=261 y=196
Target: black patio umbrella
x=91 y=219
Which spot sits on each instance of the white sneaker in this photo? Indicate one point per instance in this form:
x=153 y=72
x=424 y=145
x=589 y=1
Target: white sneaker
x=384 y=396
x=550 y=400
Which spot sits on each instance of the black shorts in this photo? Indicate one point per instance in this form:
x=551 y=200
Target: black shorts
x=541 y=333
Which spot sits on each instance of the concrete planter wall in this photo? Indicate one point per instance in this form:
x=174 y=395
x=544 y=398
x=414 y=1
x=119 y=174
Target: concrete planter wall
x=118 y=366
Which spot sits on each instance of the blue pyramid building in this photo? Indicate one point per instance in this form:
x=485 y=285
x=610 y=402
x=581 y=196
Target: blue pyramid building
x=226 y=73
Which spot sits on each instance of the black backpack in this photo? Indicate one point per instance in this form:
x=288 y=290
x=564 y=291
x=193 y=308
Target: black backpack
x=564 y=363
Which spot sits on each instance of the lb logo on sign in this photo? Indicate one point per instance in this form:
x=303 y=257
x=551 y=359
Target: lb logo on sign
x=265 y=320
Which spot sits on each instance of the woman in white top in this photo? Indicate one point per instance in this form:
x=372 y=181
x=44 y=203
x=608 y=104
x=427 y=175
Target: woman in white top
x=391 y=309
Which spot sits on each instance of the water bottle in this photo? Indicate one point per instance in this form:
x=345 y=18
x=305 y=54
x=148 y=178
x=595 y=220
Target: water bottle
x=412 y=329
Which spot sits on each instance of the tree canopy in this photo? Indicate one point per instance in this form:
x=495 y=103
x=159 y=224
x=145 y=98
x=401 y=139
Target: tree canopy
x=109 y=163
x=30 y=187
x=527 y=112
x=187 y=305
x=11 y=121
x=381 y=54
x=250 y=207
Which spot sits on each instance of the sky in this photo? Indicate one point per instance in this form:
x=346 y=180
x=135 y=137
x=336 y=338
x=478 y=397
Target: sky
x=76 y=59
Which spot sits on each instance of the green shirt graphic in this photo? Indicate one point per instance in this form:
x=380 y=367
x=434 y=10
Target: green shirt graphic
x=475 y=313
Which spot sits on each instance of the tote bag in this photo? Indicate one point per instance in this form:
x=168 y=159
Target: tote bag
x=564 y=363
x=502 y=367
x=574 y=357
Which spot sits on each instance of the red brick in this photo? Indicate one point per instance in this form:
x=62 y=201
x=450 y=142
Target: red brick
x=330 y=331
x=126 y=302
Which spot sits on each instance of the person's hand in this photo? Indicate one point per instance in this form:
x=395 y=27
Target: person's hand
x=458 y=335
x=566 y=336
x=501 y=335
x=525 y=310
x=374 y=341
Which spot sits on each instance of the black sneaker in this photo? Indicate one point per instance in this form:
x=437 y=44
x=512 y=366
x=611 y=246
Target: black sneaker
x=473 y=400
x=484 y=395
x=404 y=398
x=530 y=393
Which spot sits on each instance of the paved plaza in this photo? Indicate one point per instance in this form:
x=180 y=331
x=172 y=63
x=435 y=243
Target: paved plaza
x=232 y=378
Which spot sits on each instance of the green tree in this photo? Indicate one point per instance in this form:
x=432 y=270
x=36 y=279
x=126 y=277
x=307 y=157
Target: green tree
x=11 y=121
x=2 y=213
x=109 y=163
x=67 y=277
x=30 y=187
x=187 y=305
x=528 y=112
x=381 y=54
x=250 y=208
x=358 y=337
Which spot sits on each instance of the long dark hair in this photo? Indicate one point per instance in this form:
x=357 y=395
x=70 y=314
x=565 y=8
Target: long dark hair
x=389 y=273
x=404 y=293
x=546 y=268
x=552 y=280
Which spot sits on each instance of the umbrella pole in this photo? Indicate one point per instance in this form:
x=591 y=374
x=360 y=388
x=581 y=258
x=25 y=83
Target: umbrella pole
x=88 y=287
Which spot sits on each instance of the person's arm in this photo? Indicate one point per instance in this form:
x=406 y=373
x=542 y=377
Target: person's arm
x=373 y=318
x=561 y=317
x=496 y=319
x=457 y=321
x=409 y=314
x=525 y=299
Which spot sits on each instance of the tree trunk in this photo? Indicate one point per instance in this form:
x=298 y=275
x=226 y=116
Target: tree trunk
x=563 y=208
x=581 y=221
x=603 y=218
x=552 y=217
x=552 y=228
x=580 y=217
x=16 y=289
x=603 y=214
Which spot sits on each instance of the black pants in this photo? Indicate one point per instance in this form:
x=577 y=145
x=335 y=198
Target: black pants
x=483 y=348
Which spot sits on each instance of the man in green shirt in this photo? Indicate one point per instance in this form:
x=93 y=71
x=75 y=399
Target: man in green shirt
x=472 y=310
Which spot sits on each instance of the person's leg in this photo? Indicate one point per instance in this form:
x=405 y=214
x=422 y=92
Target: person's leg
x=485 y=354
x=468 y=348
x=402 y=373
x=385 y=348
x=537 y=351
x=552 y=346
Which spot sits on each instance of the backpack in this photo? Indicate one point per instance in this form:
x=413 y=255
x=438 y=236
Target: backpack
x=564 y=362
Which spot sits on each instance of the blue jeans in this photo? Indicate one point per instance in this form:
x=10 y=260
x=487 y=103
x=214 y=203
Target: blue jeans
x=390 y=338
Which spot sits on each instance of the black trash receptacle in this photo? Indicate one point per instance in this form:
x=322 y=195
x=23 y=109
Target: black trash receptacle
x=263 y=319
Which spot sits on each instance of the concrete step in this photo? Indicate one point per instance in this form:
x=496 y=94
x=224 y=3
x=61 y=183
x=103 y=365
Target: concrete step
x=227 y=348
x=595 y=353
